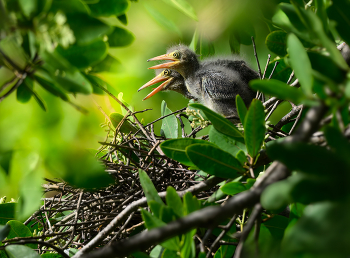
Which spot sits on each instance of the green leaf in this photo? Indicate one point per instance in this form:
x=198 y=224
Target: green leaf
x=225 y=251
x=278 y=89
x=241 y=157
x=96 y=83
x=18 y=229
x=235 y=45
x=282 y=71
x=220 y=123
x=74 y=82
x=184 y=7
x=190 y=203
x=120 y=37
x=123 y=19
x=300 y=63
x=46 y=82
x=206 y=48
x=24 y=91
x=126 y=127
x=233 y=188
x=194 y=41
x=277 y=225
x=339 y=11
x=170 y=126
x=148 y=188
x=276 y=42
x=20 y=251
x=324 y=223
x=39 y=100
x=326 y=67
x=241 y=108
x=254 y=127
x=140 y=255
x=162 y=20
x=277 y=196
x=51 y=255
x=225 y=142
x=4 y=231
x=28 y=7
x=310 y=159
x=109 y=64
x=7 y=212
x=87 y=28
x=214 y=161
x=109 y=7
x=151 y=222
x=176 y=149
x=173 y=200
x=338 y=143
x=85 y=55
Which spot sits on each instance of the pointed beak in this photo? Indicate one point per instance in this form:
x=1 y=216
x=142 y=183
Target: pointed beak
x=163 y=57
x=155 y=80
x=165 y=65
x=159 y=88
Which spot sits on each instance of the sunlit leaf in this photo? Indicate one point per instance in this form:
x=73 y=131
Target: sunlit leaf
x=241 y=108
x=278 y=89
x=109 y=7
x=126 y=127
x=170 y=126
x=233 y=188
x=214 y=161
x=20 y=251
x=220 y=123
x=148 y=188
x=174 y=201
x=254 y=127
x=176 y=149
x=276 y=42
x=120 y=37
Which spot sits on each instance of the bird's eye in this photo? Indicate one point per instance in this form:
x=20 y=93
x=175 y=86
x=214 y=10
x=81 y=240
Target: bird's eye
x=176 y=54
x=166 y=72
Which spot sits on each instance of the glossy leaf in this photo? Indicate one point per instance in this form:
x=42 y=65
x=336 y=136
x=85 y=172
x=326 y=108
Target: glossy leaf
x=24 y=91
x=300 y=63
x=278 y=89
x=173 y=200
x=120 y=37
x=126 y=127
x=18 y=229
x=20 y=251
x=176 y=149
x=170 y=126
x=233 y=188
x=87 y=28
x=109 y=7
x=184 y=7
x=190 y=203
x=241 y=108
x=309 y=159
x=109 y=64
x=276 y=42
x=148 y=188
x=85 y=55
x=324 y=223
x=4 y=231
x=254 y=127
x=225 y=142
x=7 y=212
x=220 y=123
x=162 y=20
x=151 y=222
x=45 y=81
x=241 y=157
x=214 y=161
x=339 y=11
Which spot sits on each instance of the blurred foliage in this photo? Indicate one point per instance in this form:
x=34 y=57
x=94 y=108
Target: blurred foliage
x=59 y=52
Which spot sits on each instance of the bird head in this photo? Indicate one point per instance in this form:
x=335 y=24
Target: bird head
x=171 y=79
x=183 y=60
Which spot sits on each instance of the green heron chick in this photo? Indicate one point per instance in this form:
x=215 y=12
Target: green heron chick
x=216 y=83
x=171 y=79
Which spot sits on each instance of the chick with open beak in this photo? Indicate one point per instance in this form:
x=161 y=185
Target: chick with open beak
x=171 y=79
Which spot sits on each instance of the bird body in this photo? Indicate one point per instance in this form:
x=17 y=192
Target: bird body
x=214 y=82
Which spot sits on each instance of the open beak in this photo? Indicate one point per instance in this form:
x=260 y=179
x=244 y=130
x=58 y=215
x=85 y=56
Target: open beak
x=155 y=80
x=165 y=65
x=163 y=57
x=159 y=88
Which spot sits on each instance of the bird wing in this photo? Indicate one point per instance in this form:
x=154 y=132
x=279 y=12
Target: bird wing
x=220 y=84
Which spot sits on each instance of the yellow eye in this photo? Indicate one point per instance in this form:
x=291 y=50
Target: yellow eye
x=176 y=55
x=166 y=72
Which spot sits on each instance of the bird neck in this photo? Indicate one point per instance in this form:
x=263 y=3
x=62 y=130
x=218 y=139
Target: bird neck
x=189 y=68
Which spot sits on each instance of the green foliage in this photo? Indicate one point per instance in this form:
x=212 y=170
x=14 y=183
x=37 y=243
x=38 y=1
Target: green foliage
x=169 y=127
x=17 y=251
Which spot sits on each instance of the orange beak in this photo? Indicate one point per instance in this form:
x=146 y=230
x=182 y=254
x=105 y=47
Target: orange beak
x=163 y=57
x=165 y=65
x=159 y=88
x=155 y=80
